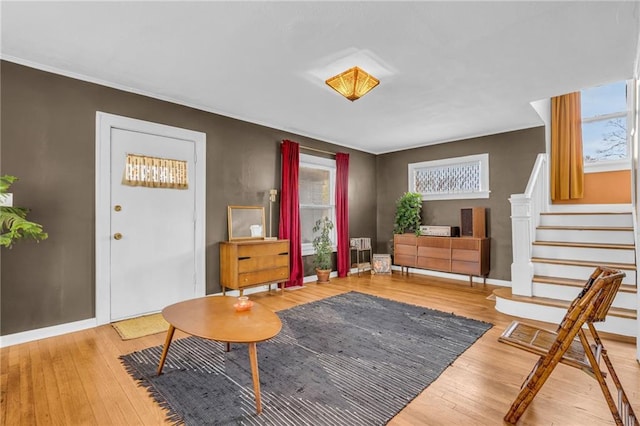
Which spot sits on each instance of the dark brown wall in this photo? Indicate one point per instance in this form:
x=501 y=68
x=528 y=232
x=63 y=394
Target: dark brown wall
x=511 y=159
x=48 y=141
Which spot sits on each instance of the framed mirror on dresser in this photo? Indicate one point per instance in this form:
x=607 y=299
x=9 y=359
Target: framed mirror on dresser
x=245 y=222
x=248 y=259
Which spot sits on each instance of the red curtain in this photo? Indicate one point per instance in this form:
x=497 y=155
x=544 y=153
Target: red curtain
x=289 y=228
x=342 y=213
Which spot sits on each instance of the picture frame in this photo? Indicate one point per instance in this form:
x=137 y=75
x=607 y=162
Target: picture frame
x=381 y=264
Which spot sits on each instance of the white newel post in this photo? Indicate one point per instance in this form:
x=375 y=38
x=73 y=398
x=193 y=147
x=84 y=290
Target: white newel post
x=521 y=231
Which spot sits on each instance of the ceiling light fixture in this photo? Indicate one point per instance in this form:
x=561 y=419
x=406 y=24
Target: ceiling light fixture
x=353 y=83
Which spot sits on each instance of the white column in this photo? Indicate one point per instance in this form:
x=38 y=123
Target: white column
x=521 y=226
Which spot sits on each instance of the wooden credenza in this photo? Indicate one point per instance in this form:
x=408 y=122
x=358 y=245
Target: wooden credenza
x=249 y=263
x=458 y=255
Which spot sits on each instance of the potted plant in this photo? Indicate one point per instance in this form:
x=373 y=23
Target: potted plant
x=14 y=225
x=323 y=249
x=408 y=208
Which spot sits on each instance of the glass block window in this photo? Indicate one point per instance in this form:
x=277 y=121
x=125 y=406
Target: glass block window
x=154 y=172
x=451 y=178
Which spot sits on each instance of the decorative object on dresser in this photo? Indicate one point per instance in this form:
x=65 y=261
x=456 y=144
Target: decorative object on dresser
x=272 y=199
x=440 y=231
x=473 y=222
x=408 y=213
x=249 y=263
x=458 y=255
x=323 y=249
x=245 y=222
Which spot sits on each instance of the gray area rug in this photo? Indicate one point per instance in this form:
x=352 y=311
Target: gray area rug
x=352 y=359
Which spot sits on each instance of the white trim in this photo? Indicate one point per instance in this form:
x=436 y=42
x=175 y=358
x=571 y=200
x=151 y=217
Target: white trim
x=45 y=332
x=314 y=278
x=590 y=208
x=457 y=277
x=104 y=123
x=307 y=160
x=607 y=166
x=482 y=192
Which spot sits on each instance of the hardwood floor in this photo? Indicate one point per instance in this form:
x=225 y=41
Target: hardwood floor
x=77 y=379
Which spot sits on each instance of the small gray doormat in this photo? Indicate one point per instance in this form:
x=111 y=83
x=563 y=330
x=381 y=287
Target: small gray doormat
x=351 y=359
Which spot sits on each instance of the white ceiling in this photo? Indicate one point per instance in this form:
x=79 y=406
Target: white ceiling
x=447 y=70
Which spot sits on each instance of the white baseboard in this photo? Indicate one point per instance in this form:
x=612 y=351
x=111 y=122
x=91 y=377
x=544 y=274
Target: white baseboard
x=457 y=277
x=314 y=278
x=43 y=333
x=590 y=208
x=57 y=330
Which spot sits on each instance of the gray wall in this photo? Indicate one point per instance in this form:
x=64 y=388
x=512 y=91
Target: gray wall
x=48 y=141
x=511 y=159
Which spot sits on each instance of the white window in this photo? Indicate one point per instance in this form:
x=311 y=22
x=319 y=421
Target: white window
x=451 y=178
x=605 y=118
x=317 y=182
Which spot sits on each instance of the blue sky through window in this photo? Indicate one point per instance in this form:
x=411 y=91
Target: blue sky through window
x=604 y=140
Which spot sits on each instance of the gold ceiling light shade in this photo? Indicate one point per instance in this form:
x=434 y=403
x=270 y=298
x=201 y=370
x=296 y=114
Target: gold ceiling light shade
x=353 y=83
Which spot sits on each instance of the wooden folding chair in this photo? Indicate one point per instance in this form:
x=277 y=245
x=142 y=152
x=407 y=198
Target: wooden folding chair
x=570 y=345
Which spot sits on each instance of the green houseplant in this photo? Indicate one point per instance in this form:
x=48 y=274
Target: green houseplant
x=14 y=225
x=408 y=209
x=323 y=249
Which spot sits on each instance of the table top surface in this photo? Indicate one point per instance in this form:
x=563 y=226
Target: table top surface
x=215 y=318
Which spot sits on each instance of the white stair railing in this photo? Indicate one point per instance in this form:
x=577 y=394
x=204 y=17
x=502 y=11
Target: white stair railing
x=525 y=218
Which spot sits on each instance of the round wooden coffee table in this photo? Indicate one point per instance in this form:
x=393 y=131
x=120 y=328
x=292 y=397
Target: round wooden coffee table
x=215 y=318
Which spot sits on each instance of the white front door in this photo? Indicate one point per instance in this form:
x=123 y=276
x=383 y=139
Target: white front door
x=155 y=253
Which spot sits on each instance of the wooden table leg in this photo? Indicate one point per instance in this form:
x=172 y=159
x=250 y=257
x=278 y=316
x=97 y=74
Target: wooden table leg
x=253 y=359
x=165 y=350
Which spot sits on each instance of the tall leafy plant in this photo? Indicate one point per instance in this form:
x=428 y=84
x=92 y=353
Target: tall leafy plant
x=322 y=243
x=408 y=210
x=14 y=225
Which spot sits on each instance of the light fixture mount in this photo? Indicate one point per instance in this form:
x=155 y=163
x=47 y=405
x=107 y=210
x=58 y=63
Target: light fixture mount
x=353 y=83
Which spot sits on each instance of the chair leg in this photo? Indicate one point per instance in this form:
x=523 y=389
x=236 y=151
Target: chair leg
x=539 y=375
x=528 y=391
x=622 y=412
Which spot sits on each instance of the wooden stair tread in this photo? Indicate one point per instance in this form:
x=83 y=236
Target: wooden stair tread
x=575 y=283
x=586 y=228
x=505 y=293
x=626 y=266
x=584 y=245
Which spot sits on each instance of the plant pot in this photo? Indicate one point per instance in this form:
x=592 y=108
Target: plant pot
x=323 y=275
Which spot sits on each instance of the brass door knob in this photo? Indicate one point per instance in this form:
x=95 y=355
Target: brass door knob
x=117 y=236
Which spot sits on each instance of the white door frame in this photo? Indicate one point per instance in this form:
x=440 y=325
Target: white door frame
x=104 y=123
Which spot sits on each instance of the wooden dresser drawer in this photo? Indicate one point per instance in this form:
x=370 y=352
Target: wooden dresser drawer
x=404 y=260
x=470 y=268
x=465 y=243
x=440 y=253
x=465 y=255
x=258 y=263
x=402 y=249
x=250 y=250
x=264 y=276
x=438 y=242
x=408 y=239
x=433 y=263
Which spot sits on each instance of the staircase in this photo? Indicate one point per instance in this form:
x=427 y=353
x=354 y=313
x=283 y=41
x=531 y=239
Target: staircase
x=566 y=249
